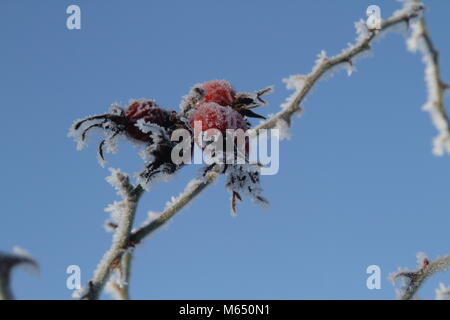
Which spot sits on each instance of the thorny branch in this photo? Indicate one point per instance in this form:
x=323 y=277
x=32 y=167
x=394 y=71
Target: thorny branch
x=420 y=40
x=125 y=239
x=193 y=189
x=414 y=279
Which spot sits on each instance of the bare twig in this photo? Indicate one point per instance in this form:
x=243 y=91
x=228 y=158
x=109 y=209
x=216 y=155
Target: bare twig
x=414 y=279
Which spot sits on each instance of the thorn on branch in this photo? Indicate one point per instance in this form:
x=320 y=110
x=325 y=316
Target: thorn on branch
x=7 y=263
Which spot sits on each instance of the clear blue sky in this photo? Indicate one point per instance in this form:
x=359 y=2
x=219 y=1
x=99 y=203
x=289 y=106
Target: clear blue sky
x=358 y=184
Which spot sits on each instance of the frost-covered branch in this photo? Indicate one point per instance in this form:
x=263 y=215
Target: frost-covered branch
x=414 y=279
x=7 y=263
x=420 y=40
x=193 y=189
x=119 y=256
x=302 y=86
x=125 y=212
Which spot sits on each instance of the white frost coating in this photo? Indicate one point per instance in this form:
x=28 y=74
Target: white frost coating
x=110 y=146
x=443 y=292
x=111 y=286
x=76 y=135
x=149 y=127
x=404 y=281
x=408 y=7
x=155 y=132
x=116 y=210
x=416 y=42
x=151 y=216
x=191 y=186
x=162 y=176
x=195 y=94
x=294 y=82
x=118 y=180
x=80 y=293
x=111 y=143
x=321 y=58
x=399 y=28
x=244 y=179
x=117 y=280
x=31 y=266
x=115 y=108
x=362 y=32
x=350 y=68
x=22 y=252
x=117 y=239
x=102 y=127
x=284 y=131
x=421 y=257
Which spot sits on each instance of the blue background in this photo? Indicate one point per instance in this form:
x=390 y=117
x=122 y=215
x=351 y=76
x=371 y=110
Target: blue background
x=358 y=184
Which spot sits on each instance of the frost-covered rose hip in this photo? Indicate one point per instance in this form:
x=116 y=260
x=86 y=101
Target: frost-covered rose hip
x=142 y=121
x=150 y=112
x=218 y=91
x=214 y=116
x=215 y=104
x=125 y=121
x=222 y=93
x=147 y=109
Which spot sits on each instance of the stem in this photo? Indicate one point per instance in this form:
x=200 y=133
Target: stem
x=121 y=291
x=124 y=292
x=120 y=242
x=193 y=189
x=435 y=85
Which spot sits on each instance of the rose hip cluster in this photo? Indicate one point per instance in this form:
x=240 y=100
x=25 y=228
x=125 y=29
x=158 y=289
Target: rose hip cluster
x=215 y=104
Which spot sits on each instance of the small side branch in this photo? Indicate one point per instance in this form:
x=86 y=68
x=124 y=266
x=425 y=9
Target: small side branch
x=414 y=279
x=193 y=189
